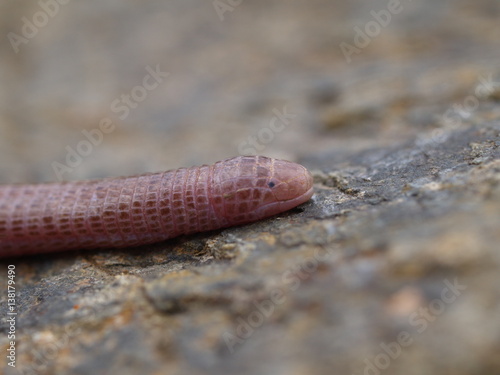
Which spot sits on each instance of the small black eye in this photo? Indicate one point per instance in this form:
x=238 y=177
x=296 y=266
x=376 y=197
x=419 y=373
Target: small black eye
x=271 y=184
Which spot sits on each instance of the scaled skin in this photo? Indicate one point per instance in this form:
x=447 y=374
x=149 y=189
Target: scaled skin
x=130 y=211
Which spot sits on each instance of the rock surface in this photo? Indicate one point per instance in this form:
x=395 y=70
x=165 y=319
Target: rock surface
x=393 y=265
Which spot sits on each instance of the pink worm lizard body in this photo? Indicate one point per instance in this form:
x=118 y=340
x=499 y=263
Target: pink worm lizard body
x=129 y=211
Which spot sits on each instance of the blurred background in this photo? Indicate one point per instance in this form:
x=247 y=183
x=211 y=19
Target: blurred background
x=230 y=68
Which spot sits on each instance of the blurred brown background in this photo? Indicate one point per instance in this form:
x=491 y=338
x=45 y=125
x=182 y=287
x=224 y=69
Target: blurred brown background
x=225 y=77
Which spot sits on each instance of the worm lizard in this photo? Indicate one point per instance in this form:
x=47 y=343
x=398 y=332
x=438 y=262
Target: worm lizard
x=130 y=211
